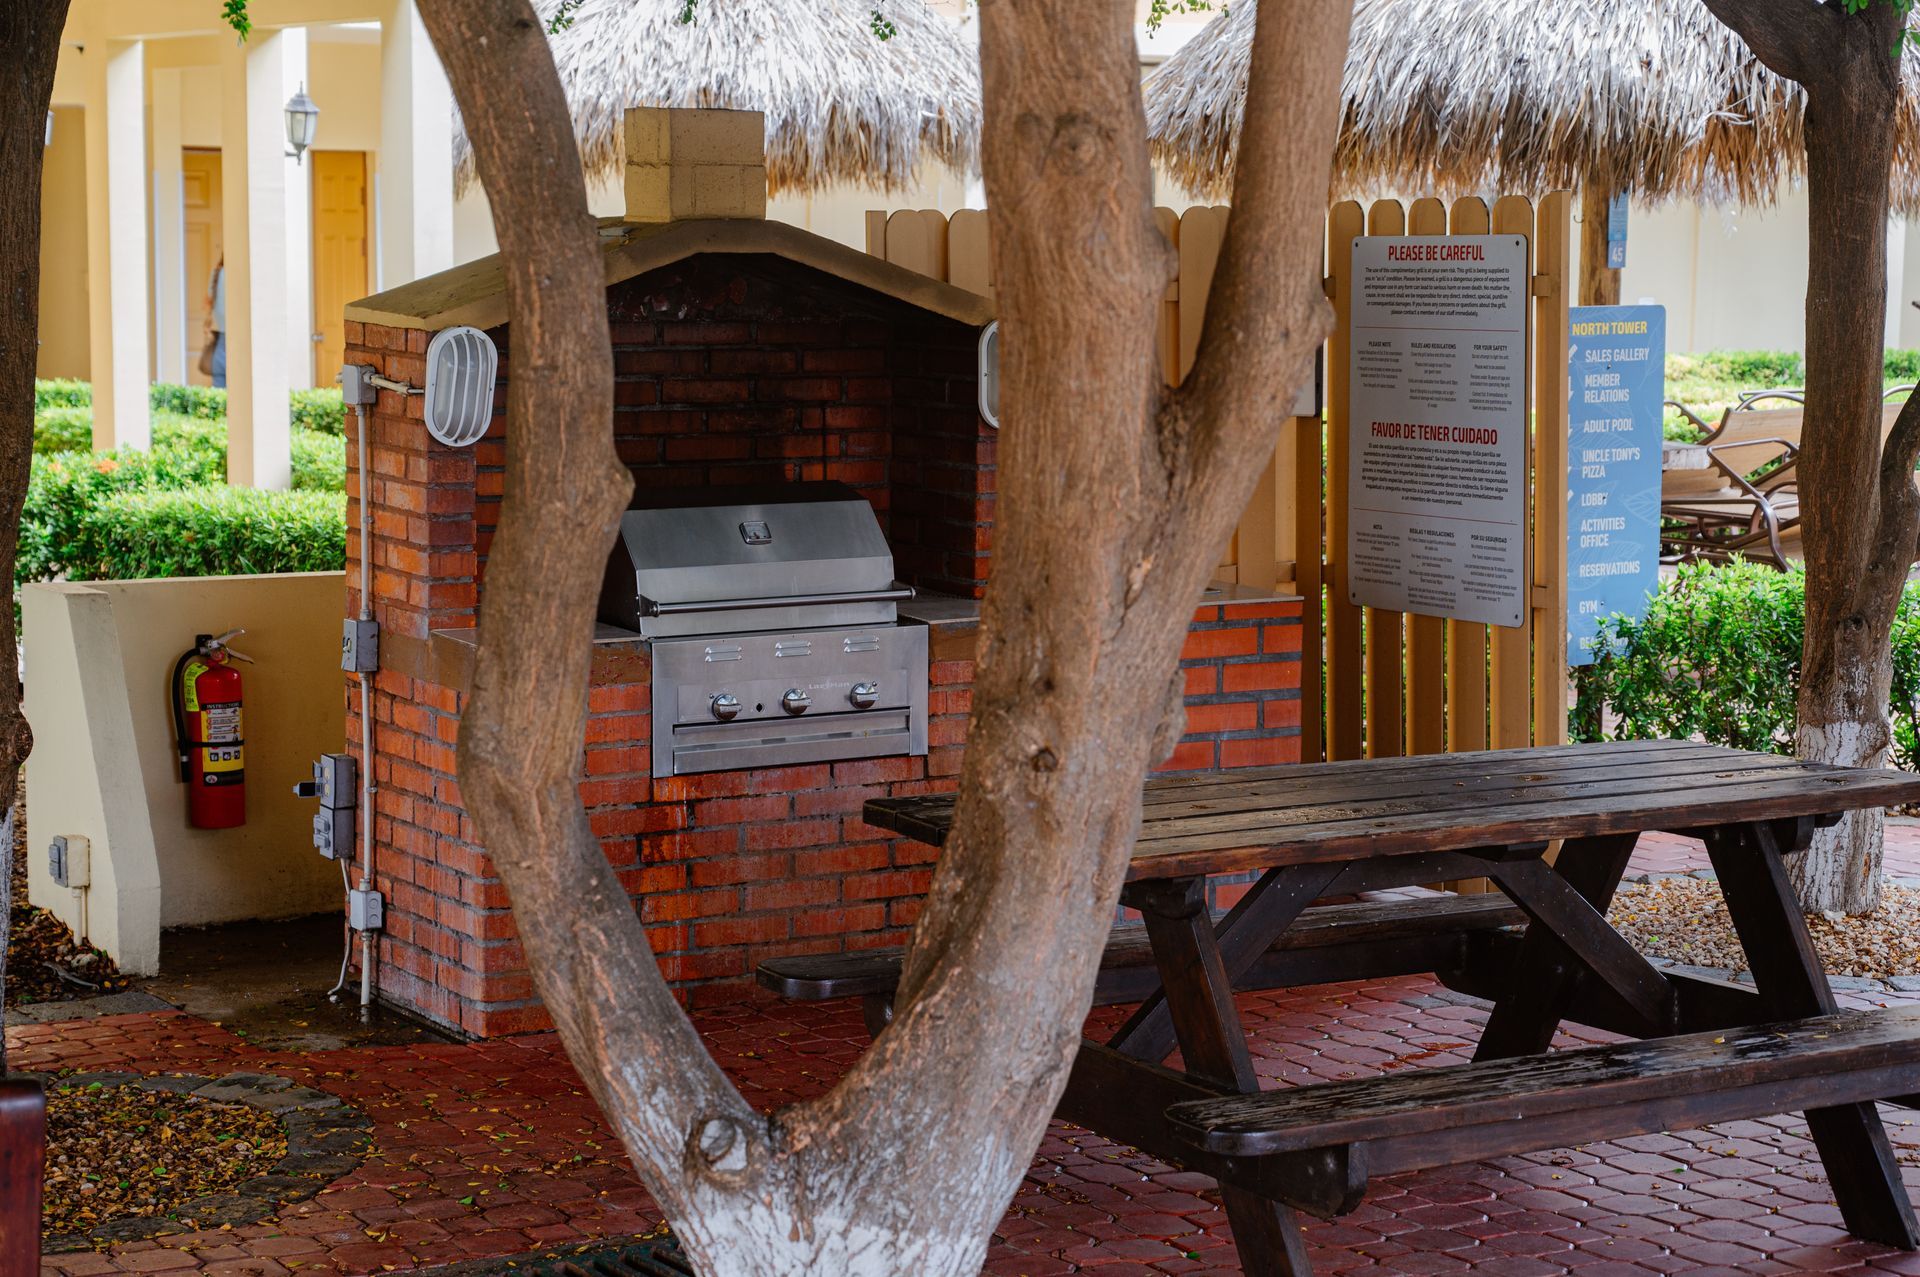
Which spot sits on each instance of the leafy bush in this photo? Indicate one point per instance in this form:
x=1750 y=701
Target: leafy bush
x=1903 y=366
x=60 y=393
x=319 y=461
x=63 y=429
x=204 y=402
x=1717 y=656
x=320 y=409
x=64 y=489
x=214 y=531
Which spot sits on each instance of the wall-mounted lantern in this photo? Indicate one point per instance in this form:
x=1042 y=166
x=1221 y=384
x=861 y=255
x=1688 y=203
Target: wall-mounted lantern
x=302 y=116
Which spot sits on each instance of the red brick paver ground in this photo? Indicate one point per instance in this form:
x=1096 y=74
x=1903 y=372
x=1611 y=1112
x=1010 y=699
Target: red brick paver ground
x=493 y=1148
x=1671 y=854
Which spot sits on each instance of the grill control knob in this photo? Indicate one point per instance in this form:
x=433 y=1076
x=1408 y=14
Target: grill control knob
x=796 y=701
x=725 y=706
x=864 y=695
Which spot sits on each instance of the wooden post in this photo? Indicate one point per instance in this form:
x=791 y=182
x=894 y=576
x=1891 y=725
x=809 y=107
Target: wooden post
x=1598 y=285
x=1466 y=641
x=1511 y=684
x=1551 y=245
x=1426 y=635
x=1386 y=660
x=1344 y=224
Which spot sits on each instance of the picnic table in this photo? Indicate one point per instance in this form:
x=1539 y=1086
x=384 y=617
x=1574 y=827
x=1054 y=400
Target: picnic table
x=1712 y=1050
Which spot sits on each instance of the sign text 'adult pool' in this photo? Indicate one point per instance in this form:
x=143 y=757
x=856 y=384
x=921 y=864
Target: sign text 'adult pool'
x=1437 y=481
x=1616 y=383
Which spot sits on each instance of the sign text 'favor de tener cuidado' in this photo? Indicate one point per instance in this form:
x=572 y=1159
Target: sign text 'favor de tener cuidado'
x=1616 y=386
x=1437 y=482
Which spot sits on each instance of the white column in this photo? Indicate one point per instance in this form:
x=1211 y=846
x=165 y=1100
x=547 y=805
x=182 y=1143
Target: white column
x=253 y=176
x=117 y=307
x=299 y=193
x=172 y=342
x=415 y=177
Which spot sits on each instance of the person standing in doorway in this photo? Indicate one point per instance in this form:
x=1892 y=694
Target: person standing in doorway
x=215 y=362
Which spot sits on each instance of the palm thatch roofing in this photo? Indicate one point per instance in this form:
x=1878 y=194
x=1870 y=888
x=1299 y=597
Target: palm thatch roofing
x=1454 y=97
x=844 y=102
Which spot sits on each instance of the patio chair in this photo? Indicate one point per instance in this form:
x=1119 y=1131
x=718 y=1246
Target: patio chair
x=1745 y=498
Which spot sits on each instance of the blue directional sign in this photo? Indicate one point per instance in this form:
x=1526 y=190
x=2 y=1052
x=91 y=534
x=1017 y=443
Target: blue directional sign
x=1616 y=385
x=1617 y=232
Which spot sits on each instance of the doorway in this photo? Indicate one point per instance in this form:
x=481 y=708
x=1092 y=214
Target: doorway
x=200 y=195
x=339 y=252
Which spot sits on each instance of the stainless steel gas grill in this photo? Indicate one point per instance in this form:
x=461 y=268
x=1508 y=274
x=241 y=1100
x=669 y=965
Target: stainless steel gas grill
x=772 y=621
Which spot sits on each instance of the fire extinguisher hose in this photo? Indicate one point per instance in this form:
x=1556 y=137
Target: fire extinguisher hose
x=181 y=746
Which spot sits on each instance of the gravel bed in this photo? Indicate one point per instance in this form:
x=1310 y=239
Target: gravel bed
x=1684 y=919
x=115 y=1152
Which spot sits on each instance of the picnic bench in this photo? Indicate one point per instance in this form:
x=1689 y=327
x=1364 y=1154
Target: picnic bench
x=1709 y=1050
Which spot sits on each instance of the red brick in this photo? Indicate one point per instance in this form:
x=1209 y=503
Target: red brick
x=1203 y=645
x=732 y=931
x=1237 y=716
x=1260 y=752
x=732 y=869
x=1260 y=676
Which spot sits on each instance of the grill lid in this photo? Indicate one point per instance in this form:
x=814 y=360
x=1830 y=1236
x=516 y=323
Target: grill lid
x=724 y=560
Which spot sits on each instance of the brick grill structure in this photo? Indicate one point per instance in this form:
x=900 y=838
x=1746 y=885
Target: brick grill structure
x=731 y=367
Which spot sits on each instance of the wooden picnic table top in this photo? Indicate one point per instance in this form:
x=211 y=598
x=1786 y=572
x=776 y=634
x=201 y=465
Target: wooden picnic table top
x=1257 y=818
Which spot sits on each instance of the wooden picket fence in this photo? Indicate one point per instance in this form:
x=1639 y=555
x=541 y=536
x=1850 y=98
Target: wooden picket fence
x=1386 y=683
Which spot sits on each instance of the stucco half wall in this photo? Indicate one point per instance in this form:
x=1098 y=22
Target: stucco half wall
x=98 y=655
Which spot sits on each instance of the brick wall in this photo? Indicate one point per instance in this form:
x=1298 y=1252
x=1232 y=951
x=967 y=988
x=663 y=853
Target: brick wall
x=733 y=370
x=729 y=868
x=753 y=370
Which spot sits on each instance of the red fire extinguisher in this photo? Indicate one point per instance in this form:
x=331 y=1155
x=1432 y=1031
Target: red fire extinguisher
x=208 y=732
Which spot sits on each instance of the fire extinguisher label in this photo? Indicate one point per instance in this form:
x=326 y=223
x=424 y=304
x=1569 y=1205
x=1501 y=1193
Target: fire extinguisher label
x=223 y=724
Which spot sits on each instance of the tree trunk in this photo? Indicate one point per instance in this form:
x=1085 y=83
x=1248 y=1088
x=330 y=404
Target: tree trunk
x=29 y=49
x=1859 y=511
x=1116 y=496
x=1599 y=286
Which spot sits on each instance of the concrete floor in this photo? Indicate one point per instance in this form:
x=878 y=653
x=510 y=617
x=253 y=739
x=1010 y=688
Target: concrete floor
x=267 y=982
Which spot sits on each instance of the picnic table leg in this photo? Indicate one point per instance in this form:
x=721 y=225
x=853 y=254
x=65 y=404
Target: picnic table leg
x=1545 y=971
x=1750 y=863
x=1250 y=927
x=1213 y=1044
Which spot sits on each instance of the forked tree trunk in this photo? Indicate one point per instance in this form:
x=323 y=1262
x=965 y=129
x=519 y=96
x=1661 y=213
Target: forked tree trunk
x=29 y=49
x=1859 y=510
x=1116 y=496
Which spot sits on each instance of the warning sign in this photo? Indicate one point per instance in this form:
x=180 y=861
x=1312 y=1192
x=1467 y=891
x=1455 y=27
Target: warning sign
x=1437 y=477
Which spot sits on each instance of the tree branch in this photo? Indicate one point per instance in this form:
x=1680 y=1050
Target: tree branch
x=523 y=730
x=1790 y=37
x=1265 y=314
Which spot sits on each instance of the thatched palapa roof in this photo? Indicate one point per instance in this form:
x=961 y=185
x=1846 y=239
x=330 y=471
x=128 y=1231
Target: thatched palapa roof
x=1456 y=97
x=842 y=103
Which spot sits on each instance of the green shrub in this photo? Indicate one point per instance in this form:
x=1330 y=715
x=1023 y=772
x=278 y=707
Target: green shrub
x=320 y=409
x=319 y=461
x=63 y=490
x=1717 y=656
x=204 y=402
x=63 y=429
x=214 y=531
x=1754 y=369
x=1903 y=366
x=61 y=393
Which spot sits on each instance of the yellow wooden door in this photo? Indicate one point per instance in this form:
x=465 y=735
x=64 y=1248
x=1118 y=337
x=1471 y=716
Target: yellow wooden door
x=200 y=192
x=339 y=252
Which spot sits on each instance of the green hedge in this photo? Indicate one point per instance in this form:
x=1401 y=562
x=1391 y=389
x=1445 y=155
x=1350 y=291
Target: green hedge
x=214 y=531
x=319 y=457
x=204 y=402
x=320 y=409
x=1717 y=656
x=64 y=490
x=61 y=394
x=65 y=428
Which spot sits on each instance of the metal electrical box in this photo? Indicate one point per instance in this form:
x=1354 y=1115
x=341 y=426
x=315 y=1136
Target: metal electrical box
x=70 y=860
x=335 y=777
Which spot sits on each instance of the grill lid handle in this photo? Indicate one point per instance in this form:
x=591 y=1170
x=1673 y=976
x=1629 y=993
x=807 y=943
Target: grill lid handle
x=897 y=593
